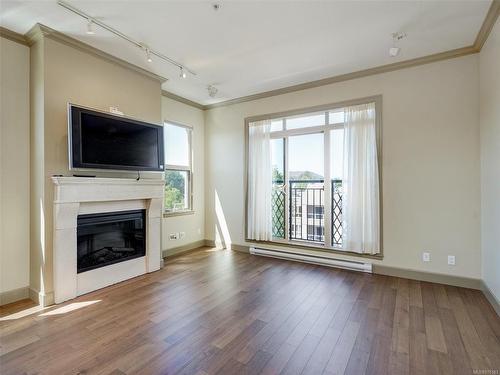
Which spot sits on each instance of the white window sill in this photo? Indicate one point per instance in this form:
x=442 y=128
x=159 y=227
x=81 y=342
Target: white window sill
x=178 y=213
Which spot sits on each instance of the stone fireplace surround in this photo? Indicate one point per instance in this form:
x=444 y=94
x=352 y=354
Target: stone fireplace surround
x=81 y=195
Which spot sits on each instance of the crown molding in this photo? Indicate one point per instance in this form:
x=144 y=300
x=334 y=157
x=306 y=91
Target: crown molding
x=13 y=36
x=451 y=54
x=482 y=36
x=181 y=99
x=40 y=31
x=488 y=24
x=459 y=52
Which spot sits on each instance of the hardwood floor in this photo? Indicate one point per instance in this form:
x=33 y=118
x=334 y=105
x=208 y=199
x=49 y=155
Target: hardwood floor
x=221 y=312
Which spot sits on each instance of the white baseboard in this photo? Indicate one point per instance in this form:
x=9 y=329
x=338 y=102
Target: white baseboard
x=183 y=248
x=495 y=303
x=14 y=295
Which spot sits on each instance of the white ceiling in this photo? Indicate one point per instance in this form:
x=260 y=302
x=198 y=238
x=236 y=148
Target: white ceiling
x=248 y=47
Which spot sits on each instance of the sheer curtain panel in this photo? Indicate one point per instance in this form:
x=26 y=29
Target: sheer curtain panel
x=360 y=203
x=259 y=218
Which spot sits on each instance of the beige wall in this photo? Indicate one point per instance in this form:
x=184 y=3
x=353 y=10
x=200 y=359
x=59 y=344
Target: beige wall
x=430 y=162
x=489 y=68
x=71 y=75
x=14 y=165
x=194 y=224
x=37 y=226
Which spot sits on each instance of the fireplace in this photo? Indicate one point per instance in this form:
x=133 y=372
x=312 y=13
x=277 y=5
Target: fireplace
x=108 y=238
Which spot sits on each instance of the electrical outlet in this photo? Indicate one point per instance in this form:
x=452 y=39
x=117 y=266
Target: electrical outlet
x=173 y=236
x=182 y=235
x=451 y=260
x=426 y=257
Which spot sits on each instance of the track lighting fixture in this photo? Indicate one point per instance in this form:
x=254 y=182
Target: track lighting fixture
x=149 y=52
x=90 y=30
x=183 y=73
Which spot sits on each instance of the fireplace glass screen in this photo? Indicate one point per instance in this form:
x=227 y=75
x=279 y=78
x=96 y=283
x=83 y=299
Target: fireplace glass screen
x=108 y=238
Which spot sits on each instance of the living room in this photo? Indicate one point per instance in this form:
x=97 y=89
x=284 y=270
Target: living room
x=289 y=187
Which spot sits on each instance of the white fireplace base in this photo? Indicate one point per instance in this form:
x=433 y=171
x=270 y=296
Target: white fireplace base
x=99 y=278
x=76 y=196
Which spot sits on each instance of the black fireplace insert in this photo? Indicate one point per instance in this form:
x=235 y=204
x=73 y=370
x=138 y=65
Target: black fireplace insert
x=111 y=237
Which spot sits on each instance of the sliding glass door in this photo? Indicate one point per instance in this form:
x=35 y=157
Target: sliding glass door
x=306 y=179
x=306 y=158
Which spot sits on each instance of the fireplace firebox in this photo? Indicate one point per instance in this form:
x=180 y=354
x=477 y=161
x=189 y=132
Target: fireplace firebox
x=108 y=238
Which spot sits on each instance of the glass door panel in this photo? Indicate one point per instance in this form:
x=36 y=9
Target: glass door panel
x=306 y=187
x=337 y=175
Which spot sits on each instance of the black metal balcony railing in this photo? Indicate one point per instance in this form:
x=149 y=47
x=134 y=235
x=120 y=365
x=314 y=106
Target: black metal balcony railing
x=337 y=213
x=306 y=211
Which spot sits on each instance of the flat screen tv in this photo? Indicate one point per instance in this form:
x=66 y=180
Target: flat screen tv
x=100 y=140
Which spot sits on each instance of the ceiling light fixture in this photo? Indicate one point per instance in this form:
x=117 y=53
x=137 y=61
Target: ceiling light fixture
x=396 y=37
x=183 y=73
x=212 y=91
x=118 y=33
x=148 y=55
x=394 y=51
x=90 y=30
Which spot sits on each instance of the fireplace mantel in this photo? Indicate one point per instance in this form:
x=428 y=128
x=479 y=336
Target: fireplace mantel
x=74 y=196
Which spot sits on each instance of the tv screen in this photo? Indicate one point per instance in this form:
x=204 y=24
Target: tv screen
x=100 y=140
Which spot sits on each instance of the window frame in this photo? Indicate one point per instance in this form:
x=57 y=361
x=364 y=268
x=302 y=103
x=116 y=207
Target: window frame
x=325 y=129
x=182 y=168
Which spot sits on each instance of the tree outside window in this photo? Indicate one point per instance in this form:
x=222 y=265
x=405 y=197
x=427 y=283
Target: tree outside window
x=178 y=173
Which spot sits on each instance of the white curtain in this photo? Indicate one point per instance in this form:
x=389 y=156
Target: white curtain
x=360 y=201
x=259 y=181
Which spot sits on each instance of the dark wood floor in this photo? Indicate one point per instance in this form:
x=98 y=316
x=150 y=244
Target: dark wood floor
x=220 y=312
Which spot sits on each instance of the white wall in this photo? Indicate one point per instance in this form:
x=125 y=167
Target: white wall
x=194 y=224
x=489 y=65
x=431 y=192
x=14 y=165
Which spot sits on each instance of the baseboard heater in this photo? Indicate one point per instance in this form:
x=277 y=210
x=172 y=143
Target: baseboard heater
x=314 y=259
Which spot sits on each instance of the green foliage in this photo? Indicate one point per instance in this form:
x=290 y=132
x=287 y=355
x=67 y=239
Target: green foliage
x=174 y=190
x=277 y=175
x=175 y=180
x=307 y=175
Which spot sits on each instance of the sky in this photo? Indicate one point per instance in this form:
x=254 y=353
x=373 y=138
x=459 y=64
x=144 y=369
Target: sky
x=306 y=153
x=176 y=145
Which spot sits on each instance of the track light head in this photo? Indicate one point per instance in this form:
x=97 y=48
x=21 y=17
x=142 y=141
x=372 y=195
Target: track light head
x=90 y=30
x=182 y=73
x=148 y=56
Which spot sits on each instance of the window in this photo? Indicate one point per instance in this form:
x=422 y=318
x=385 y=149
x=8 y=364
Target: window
x=178 y=168
x=307 y=159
